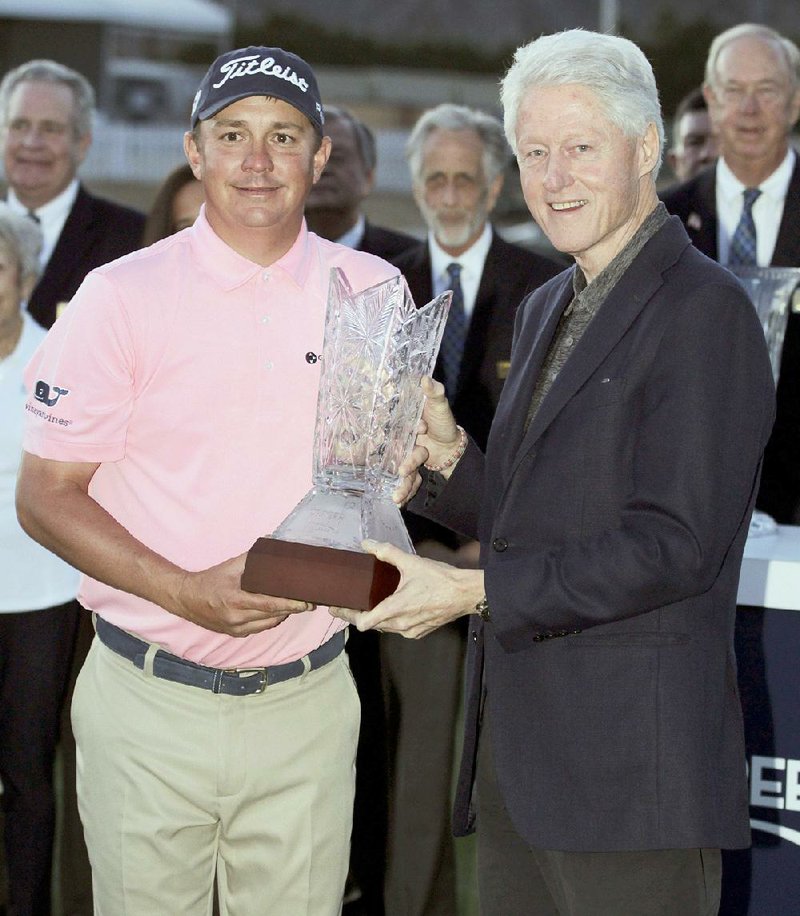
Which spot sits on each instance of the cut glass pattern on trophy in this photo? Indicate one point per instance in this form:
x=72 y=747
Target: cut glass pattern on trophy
x=378 y=346
x=771 y=289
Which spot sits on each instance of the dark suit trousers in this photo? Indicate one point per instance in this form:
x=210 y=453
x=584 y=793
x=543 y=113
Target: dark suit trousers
x=515 y=879
x=35 y=655
x=368 y=845
x=422 y=680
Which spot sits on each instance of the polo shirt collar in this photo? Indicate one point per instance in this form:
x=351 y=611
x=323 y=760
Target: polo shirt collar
x=229 y=269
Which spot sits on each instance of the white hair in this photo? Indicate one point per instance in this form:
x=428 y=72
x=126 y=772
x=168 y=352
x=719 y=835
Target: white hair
x=50 y=71
x=496 y=154
x=787 y=49
x=613 y=68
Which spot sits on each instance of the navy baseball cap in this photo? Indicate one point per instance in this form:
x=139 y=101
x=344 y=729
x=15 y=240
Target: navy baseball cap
x=259 y=71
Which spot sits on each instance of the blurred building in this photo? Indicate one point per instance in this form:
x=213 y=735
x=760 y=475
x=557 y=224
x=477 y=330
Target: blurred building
x=144 y=57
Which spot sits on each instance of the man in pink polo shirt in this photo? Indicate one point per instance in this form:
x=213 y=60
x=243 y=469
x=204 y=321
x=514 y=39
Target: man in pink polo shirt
x=170 y=423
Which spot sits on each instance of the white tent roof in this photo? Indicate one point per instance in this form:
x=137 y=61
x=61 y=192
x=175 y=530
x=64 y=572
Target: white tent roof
x=181 y=15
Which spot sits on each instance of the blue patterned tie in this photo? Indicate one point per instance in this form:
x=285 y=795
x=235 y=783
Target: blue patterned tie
x=743 y=243
x=455 y=332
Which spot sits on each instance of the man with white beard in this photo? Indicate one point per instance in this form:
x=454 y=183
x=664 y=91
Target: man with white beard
x=457 y=157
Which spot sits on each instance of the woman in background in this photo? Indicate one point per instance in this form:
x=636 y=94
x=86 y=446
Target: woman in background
x=176 y=205
x=38 y=610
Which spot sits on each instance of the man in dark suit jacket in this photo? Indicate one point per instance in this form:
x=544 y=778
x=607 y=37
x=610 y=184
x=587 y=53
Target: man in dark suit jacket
x=334 y=211
x=602 y=729
x=334 y=205
x=46 y=112
x=96 y=231
x=457 y=158
x=753 y=129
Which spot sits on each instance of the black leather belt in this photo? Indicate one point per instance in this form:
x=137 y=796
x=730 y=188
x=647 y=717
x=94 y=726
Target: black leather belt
x=236 y=682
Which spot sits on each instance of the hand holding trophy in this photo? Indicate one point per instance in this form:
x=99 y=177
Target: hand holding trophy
x=378 y=347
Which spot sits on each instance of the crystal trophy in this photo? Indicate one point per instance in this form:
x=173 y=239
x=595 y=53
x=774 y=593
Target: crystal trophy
x=772 y=291
x=378 y=347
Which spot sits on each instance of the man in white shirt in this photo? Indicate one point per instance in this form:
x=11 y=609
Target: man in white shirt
x=752 y=85
x=334 y=209
x=457 y=157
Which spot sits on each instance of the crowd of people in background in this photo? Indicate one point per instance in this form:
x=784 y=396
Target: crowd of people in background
x=272 y=195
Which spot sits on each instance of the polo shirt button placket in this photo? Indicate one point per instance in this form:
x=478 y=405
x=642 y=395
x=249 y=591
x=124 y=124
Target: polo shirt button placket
x=268 y=364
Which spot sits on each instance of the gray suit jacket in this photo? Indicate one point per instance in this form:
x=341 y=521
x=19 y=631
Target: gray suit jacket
x=612 y=533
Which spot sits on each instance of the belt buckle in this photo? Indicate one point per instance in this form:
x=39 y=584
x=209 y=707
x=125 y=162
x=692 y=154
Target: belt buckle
x=249 y=672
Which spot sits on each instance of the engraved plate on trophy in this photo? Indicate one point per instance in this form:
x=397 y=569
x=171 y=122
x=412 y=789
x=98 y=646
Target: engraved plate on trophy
x=378 y=347
x=771 y=289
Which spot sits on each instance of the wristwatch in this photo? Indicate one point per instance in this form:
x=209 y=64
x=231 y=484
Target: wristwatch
x=482 y=608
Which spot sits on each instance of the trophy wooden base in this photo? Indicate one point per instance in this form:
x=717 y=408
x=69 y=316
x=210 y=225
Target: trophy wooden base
x=322 y=575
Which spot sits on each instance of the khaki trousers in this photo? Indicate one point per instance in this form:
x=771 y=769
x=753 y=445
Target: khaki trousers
x=178 y=787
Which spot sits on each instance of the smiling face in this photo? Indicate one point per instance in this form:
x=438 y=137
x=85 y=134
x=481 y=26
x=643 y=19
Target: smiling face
x=41 y=152
x=257 y=160
x=753 y=107
x=587 y=185
x=451 y=189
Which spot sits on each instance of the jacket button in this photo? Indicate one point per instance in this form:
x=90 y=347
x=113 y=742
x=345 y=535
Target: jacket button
x=500 y=544
x=474 y=636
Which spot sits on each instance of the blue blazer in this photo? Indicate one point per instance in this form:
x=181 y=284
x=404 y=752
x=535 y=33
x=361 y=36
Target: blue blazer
x=612 y=533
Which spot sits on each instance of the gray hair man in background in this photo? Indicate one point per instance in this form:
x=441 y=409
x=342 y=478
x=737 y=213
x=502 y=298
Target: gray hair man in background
x=458 y=157
x=46 y=115
x=752 y=87
x=334 y=206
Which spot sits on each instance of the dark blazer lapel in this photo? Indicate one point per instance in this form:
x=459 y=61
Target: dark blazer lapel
x=701 y=220
x=482 y=312
x=634 y=290
x=532 y=341
x=418 y=276
x=787 y=245
x=70 y=251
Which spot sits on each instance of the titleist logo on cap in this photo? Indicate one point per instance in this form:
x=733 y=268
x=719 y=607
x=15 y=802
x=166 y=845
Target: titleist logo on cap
x=258 y=71
x=254 y=63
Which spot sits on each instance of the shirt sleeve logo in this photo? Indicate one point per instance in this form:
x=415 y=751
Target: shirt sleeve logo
x=42 y=393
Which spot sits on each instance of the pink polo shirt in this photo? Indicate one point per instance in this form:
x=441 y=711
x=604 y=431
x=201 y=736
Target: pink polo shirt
x=189 y=373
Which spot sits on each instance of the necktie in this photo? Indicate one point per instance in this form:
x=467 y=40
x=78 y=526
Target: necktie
x=455 y=331
x=743 y=243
